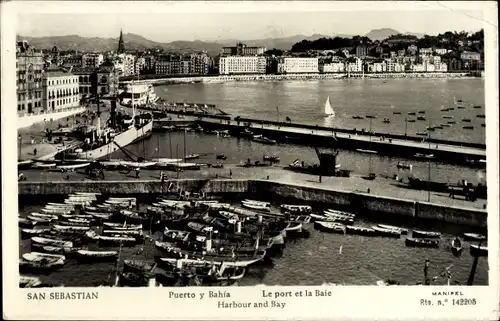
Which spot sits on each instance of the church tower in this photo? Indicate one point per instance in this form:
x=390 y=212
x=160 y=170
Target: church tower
x=121 y=45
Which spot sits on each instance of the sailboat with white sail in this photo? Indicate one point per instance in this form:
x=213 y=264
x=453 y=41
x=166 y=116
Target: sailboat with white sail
x=329 y=112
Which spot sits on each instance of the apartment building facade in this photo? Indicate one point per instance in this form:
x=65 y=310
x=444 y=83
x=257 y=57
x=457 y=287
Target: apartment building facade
x=29 y=72
x=242 y=65
x=60 y=90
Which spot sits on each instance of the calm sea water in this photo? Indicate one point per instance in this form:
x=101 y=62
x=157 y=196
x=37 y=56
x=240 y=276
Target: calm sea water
x=312 y=261
x=304 y=101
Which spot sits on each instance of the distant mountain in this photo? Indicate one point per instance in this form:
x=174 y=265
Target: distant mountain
x=381 y=34
x=132 y=41
x=384 y=33
x=285 y=43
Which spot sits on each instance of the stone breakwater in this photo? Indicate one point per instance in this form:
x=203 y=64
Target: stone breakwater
x=315 y=76
x=365 y=205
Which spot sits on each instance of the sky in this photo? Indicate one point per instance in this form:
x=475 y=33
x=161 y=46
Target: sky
x=212 y=21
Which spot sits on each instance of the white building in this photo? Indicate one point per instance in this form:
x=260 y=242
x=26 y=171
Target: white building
x=125 y=64
x=295 y=65
x=140 y=65
x=394 y=66
x=440 y=67
x=332 y=67
x=242 y=65
x=425 y=51
x=356 y=66
x=92 y=60
x=429 y=67
x=378 y=67
x=60 y=90
x=417 y=68
x=440 y=51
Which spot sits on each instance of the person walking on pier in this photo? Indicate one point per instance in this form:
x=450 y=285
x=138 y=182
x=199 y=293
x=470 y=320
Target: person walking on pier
x=162 y=177
x=137 y=170
x=230 y=174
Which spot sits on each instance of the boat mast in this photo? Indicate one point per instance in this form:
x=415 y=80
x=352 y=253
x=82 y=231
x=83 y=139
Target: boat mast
x=132 y=102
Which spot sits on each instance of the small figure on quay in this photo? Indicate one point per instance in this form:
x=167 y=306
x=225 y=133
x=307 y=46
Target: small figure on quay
x=162 y=177
x=34 y=151
x=21 y=177
x=137 y=170
x=320 y=178
x=230 y=174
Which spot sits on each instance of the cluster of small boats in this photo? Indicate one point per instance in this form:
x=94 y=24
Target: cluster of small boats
x=334 y=221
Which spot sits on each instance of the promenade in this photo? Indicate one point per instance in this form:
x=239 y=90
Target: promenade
x=381 y=186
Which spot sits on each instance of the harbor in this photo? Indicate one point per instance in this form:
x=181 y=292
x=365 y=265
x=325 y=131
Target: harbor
x=162 y=192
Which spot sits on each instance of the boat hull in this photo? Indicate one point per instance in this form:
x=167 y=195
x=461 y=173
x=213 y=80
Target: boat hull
x=123 y=139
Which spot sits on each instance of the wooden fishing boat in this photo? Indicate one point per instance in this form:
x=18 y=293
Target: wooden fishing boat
x=468 y=127
x=40 y=220
x=424 y=156
x=53 y=242
x=192 y=156
x=422 y=133
x=176 y=235
x=65 y=168
x=340 y=213
x=56 y=211
x=421 y=118
x=419 y=242
x=358 y=230
x=268 y=204
x=99 y=216
x=304 y=219
x=476 y=250
x=137 y=164
x=346 y=220
x=113 y=241
x=229 y=215
x=401 y=230
x=70 y=228
x=296 y=209
x=138 y=266
x=396 y=113
x=74 y=223
x=92 y=256
x=366 y=151
x=166 y=246
x=38 y=256
x=28 y=233
x=29 y=282
x=66 y=251
x=481 y=116
x=404 y=166
x=448 y=117
x=294 y=227
x=358 y=117
x=263 y=140
x=456 y=246
x=44 y=266
x=78 y=216
x=474 y=237
x=41 y=165
x=331 y=227
x=22 y=222
x=44 y=216
x=387 y=121
x=239 y=261
x=386 y=232
x=138 y=234
x=271 y=158
x=91 y=236
x=425 y=234
x=255 y=206
x=200 y=227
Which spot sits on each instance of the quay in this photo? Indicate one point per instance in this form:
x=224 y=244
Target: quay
x=388 y=145
x=364 y=204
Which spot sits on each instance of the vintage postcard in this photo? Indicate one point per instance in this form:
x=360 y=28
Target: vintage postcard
x=250 y=160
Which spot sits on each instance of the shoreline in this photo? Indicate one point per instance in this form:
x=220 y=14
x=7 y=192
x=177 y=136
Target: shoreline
x=290 y=77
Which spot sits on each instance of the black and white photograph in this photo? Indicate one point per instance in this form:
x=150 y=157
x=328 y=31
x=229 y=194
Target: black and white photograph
x=252 y=147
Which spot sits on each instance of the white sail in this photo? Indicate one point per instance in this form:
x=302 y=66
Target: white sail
x=328 y=108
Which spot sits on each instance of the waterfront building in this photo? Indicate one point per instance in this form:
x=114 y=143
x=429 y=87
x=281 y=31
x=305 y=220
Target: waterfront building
x=60 y=90
x=200 y=63
x=470 y=55
x=362 y=50
x=377 y=67
x=412 y=50
x=242 y=65
x=150 y=63
x=440 y=51
x=394 y=66
x=73 y=60
x=332 y=67
x=56 y=56
x=425 y=51
x=140 y=65
x=401 y=52
x=125 y=64
x=92 y=60
x=429 y=67
x=242 y=50
x=292 y=65
x=102 y=80
x=417 y=68
x=356 y=66
x=29 y=71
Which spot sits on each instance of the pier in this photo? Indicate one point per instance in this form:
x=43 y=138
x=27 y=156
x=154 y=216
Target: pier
x=383 y=144
x=365 y=204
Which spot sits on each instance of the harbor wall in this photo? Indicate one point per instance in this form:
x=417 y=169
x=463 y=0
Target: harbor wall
x=366 y=205
x=30 y=119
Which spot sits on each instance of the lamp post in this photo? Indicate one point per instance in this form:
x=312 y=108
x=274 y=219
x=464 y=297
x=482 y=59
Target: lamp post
x=406 y=126
x=429 y=164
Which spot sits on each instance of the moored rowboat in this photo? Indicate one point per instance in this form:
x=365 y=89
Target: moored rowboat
x=401 y=230
x=386 y=232
x=479 y=251
x=474 y=236
x=426 y=234
x=331 y=227
x=419 y=242
x=85 y=255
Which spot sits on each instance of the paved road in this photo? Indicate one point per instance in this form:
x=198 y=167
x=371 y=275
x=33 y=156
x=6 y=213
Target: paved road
x=365 y=138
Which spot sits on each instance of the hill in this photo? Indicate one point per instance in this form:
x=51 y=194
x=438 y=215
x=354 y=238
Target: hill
x=132 y=41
